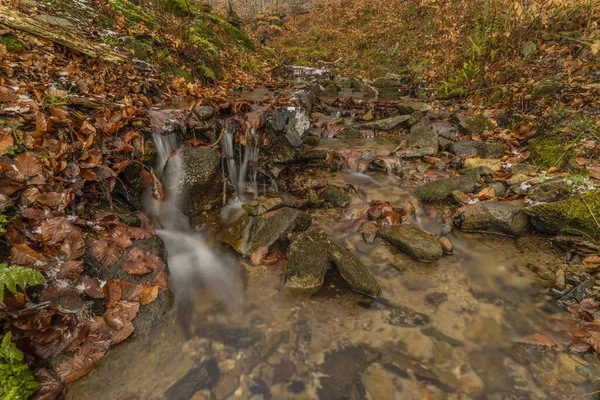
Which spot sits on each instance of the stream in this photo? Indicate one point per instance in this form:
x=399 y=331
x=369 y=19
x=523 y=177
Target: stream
x=466 y=326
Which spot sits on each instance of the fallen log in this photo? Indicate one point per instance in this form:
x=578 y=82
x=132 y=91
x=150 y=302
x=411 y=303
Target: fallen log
x=72 y=40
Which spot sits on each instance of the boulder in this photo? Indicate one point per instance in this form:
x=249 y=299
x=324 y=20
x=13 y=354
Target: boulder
x=442 y=189
x=472 y=148
x=387 y=124
x=413 y=241
x=194 y=175
x=255 y=237
x=476 y=124
x=550 y=190
x=334 y=196
x=496 y=217
x=291 y=122
x=422 y=136
x=412 y=106
x=264 y=204
x=445 y=130
x=309 y=259
x=577 y=215
x=493 y=164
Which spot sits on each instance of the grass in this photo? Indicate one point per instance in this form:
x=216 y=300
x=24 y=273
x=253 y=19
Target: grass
x=11 y=43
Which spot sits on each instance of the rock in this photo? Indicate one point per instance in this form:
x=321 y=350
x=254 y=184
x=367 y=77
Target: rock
x=239 y=337
x=482 y=171
x=476 y=124
x=447 y=246
x=415 y=118
x=201 y=376
x=546 y=89
x=306 y=99
x=349 y=133
x=472 y=148
x=195 y=174
x=354 y=273
x=496 y=217
x=570 y=368
x=550 y=190
x=335 y=197
x=309 y=258
x=498 y=187
x=291 y=122
x=419 y=346
x=580 y=292
x=226 y=387
x=406 y=366
x=436 y=298
x=472 y=384
x=249 y=235
x=413 y=241
x=517 y=179
x=379 y=386
x=331 y=90
x=404 y=316
x=577 y=215
x=422 y=136
x=445 y=130
x=341 y=372
x=441 y=189
x=493 y=164
x=387 y=124
x=415 y=153
x=411 y=107
x=389 y=87
x=312 y=140
x=307 y=264
x=369 y=232
x=265 y=204
x=524 y=169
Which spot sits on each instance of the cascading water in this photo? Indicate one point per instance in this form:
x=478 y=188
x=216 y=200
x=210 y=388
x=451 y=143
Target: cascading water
x=192 y=263
x=237 y=175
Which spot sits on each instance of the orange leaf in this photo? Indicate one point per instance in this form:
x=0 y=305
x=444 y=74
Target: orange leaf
x=6 y=140
x=28 y=164
x=22 y=254
x=140 y=262
x=158 y=191
x=57 y=229
x=73 y=247
x=149 y=295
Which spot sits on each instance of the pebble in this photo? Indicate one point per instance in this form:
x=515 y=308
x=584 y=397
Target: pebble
x=559 y=280
x=446 y=244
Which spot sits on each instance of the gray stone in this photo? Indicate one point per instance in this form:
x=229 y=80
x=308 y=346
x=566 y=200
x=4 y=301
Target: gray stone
x=415 y=153
x=496 y=217
x=422 y=136
x=334 y=196
x=442 y=189
x=550 y=190
x=387 y=124
x=524 y=169
x=476 y=124
x=407 y=366
x=413 y=241
x=445 y=130
x=195 y=174
x=411 y=107
x=247 y=235
x=471 y=148
x=354 y=273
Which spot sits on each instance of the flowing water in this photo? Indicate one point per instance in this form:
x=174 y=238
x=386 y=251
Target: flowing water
x=450 y=329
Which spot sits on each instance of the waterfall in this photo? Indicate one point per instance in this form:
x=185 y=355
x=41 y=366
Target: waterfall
x=192 y=262
x=238 y=176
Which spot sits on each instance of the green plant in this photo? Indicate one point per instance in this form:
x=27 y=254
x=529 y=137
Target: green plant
x=17 y=382
x=15 y=275
x=3 y=223
x=11 y=43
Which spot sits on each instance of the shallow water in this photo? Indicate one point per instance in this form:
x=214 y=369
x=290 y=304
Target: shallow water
x=449 y=329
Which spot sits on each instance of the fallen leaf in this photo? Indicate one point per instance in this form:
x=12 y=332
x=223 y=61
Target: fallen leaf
x=22 y=254
x=57 y=229
x=70 y=270
x=73 y=247
x=106 y=252
x=73 y=369
x=140 y=262
x=593 y=259
x=158 y=191
x=259 y=255
x=28 y=164
x=149 y=294
x=6 y=141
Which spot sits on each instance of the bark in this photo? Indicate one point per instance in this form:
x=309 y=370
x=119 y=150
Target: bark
x=72 y=40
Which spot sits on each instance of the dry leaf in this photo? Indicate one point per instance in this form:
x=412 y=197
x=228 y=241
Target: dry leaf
x=106 y=252
x=73 y=247
x=6 y=140
x=28 y=164
x=57 y=229
x=149 y=295
x=140 y=262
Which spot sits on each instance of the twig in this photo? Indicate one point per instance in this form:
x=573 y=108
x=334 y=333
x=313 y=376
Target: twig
x=219 y=139
x=591 y=212
x=587 y=394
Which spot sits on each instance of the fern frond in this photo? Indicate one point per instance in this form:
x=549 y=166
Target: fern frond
x=15 y=276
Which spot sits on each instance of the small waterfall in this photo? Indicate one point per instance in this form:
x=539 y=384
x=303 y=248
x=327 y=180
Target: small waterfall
x=238 y=176
x=192 y=263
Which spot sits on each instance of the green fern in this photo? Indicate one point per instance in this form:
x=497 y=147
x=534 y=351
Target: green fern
x=17 y=382
x=15 y=275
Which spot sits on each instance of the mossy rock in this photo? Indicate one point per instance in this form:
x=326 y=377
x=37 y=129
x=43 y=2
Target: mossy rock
x=546 y=89
x=349 y=133
x=312 y=141
x=578 y=215
x=411 y=240
x=476 y=124
x=334 y=196
x=11 y=43
x=441 y=190
x=549 y=151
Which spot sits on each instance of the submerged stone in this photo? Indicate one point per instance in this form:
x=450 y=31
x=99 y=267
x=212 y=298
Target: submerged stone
x=413 y=241
x=334 y=196
x=442 y=189
x=577 y=215
x=496 y=217
x=354 y=273
x=249 y=235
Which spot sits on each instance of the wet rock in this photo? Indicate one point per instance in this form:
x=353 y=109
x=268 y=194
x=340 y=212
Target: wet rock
x=472 y=384
x=496 y=376
x=292 y=122
x=492 y=164
x=411 y=107
x=577 y=215
x=436 y=298
x=496 y=217
x=447 y=246
x=369 y=232
x=440 y=336
x=379 y=386
x=196 y=176
x=549 y=191
x=421 y=135
x=349 y=133
x=413 y=241
x=265 y=204
x=239 y=337
x=476 y=124
x=202 y=124
x=406 y=366
x=580 y=292
x=248 y=235
x=201 y=376
x=330 y=90
x=283 y=371
x=387 y=124
x=334 y=196
x=445 y=130
x=572 y=369
x=354 y=273
x=415 y=153
x=419 y=346
x=472 y=148
x=306 y=99
x=404 y=316
x=340 y=373
x=442 y=189
x=312 y=140
x=307 y=264
x=226 y=387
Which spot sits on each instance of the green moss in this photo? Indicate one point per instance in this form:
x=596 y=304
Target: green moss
x=335 y=197
x=182 y=8
x=136 y=13
x=576 y=215
x=312 y=140
x=11 y=43
x=546 y=89
x=548 y=151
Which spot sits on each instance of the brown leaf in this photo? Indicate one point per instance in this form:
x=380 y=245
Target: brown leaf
x=70 y=270
x=158 y=191
x=73 y=247
x=140 y=262
x=22 y=254
x=28 y=164
x=75 y=368
x=6 y=140
x=594 y=171
x=149 y=295
x=57 y=229
x=7 y=94
x=106 y=252
x=259 y=255
x=41 y=125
